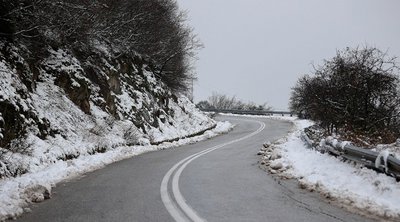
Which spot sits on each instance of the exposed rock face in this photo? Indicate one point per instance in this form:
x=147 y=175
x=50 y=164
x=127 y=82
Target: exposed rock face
x=64 y=107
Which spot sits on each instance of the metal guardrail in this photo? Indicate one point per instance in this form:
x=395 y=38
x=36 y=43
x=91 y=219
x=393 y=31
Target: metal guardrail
x=249 y=112
x=366 y=157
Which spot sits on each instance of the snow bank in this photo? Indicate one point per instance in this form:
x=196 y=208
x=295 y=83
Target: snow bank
x=17 y=193
x=350 y=185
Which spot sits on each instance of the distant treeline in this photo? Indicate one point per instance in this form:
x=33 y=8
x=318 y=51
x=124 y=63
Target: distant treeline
x=224 y=102
x=151 y=28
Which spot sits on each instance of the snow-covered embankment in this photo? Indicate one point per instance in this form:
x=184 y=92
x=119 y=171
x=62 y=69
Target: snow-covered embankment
x=347 y=184
x=17 y=193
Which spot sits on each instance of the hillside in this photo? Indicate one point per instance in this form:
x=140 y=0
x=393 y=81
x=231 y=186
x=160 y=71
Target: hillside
x=60 y=109
x=87 y=83
x=83 y=77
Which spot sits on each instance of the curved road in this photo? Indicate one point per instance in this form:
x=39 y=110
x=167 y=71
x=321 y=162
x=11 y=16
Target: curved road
x=214 y=180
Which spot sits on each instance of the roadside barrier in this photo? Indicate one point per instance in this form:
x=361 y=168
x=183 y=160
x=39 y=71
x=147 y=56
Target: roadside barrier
x=249 y=112
x=382 y=162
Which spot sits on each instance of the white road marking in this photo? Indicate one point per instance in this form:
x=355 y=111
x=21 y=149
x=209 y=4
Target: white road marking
x=180 y=210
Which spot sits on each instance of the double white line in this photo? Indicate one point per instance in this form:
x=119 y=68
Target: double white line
x=179 y=209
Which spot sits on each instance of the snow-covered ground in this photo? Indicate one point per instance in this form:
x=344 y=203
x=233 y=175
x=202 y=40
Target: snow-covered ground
x=349 y=185
x=17 y=193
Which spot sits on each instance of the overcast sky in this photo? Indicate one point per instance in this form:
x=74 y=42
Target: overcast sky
x=257 y=49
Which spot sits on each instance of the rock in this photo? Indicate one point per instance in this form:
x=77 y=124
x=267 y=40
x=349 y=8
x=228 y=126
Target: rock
x=276 y=165
x=286 y=176
x=275 y=155
x=398 y=142
x=268 y=150
x=266 y=157
x=263 y=149
x=302 y=185
x=36 y=197
x=37 y=193
x=267 y=144
x=327 y=195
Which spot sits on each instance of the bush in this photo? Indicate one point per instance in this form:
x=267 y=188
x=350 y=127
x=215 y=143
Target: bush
x=357 y=90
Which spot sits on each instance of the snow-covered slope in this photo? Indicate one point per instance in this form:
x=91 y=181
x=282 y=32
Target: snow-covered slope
x=64 y=108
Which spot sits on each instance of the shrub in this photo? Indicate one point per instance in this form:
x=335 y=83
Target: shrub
x=357 y=90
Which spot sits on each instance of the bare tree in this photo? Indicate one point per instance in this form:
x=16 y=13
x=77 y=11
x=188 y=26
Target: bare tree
x=221 y=102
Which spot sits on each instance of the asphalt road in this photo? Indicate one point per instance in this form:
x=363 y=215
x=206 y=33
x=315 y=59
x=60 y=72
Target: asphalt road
x=214 y=180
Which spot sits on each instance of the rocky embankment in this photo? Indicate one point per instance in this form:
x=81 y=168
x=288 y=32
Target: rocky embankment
x=64 y=107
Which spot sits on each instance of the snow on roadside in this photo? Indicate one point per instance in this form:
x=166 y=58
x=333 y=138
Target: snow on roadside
x=17 y=193
x=351 y=186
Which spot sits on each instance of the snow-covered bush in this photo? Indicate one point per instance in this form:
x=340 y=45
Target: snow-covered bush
x=357 y=91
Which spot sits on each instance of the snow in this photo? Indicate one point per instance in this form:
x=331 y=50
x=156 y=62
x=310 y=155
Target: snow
x=101 y=47
x=383 y=154
x=350 y=185
x=9 y=86
x=394 y=148
x=17 y=193
x=126 y=102
x=61 y=60
x=181 y=124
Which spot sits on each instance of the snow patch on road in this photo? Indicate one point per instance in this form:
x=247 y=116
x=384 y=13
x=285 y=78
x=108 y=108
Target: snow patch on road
x=17 y=193
x=350 y=185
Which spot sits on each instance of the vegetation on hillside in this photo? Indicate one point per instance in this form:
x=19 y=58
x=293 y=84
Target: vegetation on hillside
x=151 y=28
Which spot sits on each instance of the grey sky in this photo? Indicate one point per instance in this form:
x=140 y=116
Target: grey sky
x=257 y=49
